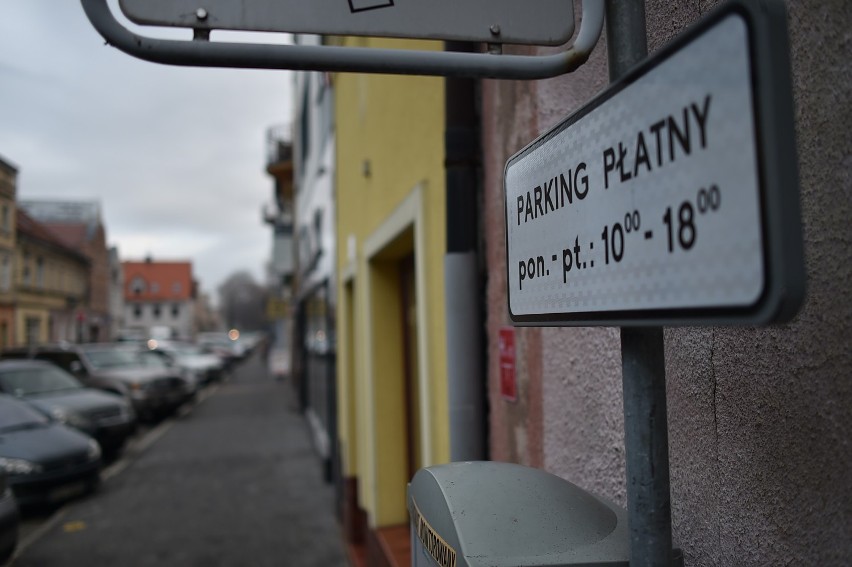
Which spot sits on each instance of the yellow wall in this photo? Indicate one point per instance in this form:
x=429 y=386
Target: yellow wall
x=390 y=202
x=8 y=192
x=64 y=277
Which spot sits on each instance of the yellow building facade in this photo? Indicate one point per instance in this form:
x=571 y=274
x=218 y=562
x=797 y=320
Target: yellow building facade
x=391 y=225
x=8 y=191
x=51 y=285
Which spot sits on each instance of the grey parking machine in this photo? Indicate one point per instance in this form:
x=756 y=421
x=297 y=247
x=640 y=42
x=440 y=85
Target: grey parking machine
x=488 y=514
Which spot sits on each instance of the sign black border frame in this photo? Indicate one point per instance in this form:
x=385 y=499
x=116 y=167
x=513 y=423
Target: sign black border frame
x=780 y=215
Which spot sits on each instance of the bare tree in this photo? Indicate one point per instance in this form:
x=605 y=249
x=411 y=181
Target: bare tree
x=243 y=302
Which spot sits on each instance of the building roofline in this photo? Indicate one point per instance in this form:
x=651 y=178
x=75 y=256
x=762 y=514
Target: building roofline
x=8 y=166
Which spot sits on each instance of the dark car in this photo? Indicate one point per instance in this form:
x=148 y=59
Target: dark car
x=107 y=417
x=154 y=392
x=8 y=520
x=45 y=462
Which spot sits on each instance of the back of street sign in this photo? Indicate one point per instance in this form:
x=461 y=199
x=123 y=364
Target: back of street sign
x=672 y=198
x=537 y=22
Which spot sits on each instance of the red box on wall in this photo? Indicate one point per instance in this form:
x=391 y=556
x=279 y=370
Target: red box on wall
x=508 y=380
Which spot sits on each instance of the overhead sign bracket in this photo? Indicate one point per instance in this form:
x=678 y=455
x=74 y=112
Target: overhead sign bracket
x=205 y=53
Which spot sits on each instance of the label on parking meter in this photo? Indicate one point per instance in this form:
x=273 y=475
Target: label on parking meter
x=429 y=543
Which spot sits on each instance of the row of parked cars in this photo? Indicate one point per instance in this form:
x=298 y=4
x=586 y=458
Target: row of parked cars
x=63 y=408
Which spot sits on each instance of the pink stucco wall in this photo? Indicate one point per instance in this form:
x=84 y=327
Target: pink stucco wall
x=510 y=120
x=759 y=419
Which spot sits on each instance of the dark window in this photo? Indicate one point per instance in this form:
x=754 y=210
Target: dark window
x=40 y=271
x=32 y=330
x=137 y=285
x=305 y=129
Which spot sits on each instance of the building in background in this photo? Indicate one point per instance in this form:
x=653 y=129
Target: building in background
x=281 y=268
x=8 y=194
x=159 y=294
x=315 y=283
x=391 y=345
x=79 y=225
x=51 y=286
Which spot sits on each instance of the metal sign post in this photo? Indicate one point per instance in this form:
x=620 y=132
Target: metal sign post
x=643 y=367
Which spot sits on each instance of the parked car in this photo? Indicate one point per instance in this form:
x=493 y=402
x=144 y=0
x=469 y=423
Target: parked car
x=191 y=359
x=8 y=520
x=252 y=339
x=220 y=344
x=45 y=462
x=192 y=382
x=154 y=392
x=107 y=417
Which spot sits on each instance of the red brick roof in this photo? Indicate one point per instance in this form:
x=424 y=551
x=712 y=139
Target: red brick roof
x=157 y=281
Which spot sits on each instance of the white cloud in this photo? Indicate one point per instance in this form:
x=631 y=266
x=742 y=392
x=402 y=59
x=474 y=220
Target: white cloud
x=174 y=155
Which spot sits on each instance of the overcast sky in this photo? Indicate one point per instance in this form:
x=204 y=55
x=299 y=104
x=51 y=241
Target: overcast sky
x=175 y=156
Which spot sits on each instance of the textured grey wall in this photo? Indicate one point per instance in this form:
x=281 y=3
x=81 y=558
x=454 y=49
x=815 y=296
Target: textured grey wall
x=759 y=419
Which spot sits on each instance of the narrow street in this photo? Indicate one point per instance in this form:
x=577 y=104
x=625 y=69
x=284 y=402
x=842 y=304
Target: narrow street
x=233 y=482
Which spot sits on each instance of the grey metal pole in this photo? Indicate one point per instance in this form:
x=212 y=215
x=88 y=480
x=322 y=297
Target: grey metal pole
x=643 y=360
x=647 y=446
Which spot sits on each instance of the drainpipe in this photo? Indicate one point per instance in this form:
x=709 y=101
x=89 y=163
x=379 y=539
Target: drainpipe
x=462 y=291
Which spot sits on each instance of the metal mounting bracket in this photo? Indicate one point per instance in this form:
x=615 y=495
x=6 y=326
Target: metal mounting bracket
x=205 y=53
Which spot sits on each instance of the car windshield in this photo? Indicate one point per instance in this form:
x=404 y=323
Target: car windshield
x=112 y=358
x=187 y=350
x=37 y=380
x=15 y=416
x=151 y=359
x=214 y=339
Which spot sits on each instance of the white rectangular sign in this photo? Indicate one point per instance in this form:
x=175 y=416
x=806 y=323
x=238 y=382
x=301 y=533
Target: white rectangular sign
x=537 y=22
x=648 y=205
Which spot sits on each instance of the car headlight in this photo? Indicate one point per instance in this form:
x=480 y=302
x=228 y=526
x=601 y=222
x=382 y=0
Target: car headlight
x=137 y=390
x=18 y=466
x=94 y=450
x=190 y=375
x=70 y=418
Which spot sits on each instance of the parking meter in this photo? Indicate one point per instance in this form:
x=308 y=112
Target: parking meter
x=488 y=514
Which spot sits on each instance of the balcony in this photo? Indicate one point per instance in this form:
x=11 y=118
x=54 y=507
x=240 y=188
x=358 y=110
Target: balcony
x=279 y=219
x=279 y=146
